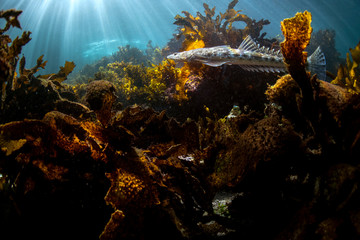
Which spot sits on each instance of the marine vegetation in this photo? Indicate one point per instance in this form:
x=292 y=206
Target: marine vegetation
x=17 y=86
x=139 y=84
x=148 y=57
x=151 y=55
x=184 y=87
x=210 y=30
x=9 y=56
x=348 y=76
x=75 y=165
x=62 y=74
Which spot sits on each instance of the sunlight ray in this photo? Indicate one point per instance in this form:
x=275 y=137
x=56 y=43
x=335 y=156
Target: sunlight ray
x=85 y=30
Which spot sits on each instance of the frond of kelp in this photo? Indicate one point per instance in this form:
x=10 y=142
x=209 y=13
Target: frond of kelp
x=62 y=74
x=26 y=74
x=9 y=55
x=206 y=31
x=10 y=16
x=348 y=76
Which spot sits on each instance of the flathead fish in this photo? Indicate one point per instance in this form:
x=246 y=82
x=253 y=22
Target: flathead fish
x=250 y=56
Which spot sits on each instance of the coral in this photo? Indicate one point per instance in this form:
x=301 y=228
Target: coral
x=348 y=76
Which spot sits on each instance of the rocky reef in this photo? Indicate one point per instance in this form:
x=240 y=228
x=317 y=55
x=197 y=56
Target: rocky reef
x=191 y=152
x=184 y=91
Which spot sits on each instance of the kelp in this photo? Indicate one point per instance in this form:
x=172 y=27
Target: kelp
x=27 y=74
x=22 y=93
x=206 y=30
x=62 y=74
x=158 y=177
x=10 y=16
x=348 y=76
x=156 y=84
x=9 y=55
x=211 y=30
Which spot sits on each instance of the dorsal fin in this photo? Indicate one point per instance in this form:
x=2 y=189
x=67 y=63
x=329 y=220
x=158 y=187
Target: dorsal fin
x=248 y=44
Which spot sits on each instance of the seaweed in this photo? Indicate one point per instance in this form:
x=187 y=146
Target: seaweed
x=211 y=30
x=62 y=74
x=131 y=55
x=138 y=173
x=348 y=76
x=27 y=74
x=10 y=54
x=148 y=57
x=297 y=32
x=140 y=84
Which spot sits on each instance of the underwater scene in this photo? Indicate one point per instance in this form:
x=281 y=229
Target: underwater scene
x=202 y=119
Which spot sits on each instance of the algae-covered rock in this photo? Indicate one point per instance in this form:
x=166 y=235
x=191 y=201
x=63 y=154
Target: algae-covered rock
x=101 y=96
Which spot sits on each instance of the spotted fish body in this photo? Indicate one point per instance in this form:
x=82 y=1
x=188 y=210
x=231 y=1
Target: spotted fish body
x=250 y=56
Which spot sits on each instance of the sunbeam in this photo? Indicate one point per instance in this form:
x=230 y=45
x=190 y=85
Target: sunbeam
x=86 y=30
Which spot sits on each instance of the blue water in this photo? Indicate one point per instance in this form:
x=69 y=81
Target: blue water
x=85 y=30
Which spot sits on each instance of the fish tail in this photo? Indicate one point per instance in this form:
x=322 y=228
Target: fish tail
x=317 y=64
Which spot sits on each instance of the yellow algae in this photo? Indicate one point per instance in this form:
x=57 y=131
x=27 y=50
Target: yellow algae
x=297 y=32
x=348 y=76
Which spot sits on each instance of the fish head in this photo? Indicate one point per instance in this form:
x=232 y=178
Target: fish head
x=178 y=56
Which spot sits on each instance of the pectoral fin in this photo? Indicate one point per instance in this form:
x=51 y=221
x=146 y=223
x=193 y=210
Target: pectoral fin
x=214 y=64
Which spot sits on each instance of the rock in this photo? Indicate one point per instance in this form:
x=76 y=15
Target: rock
x=334 y=190
x=100 y=96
